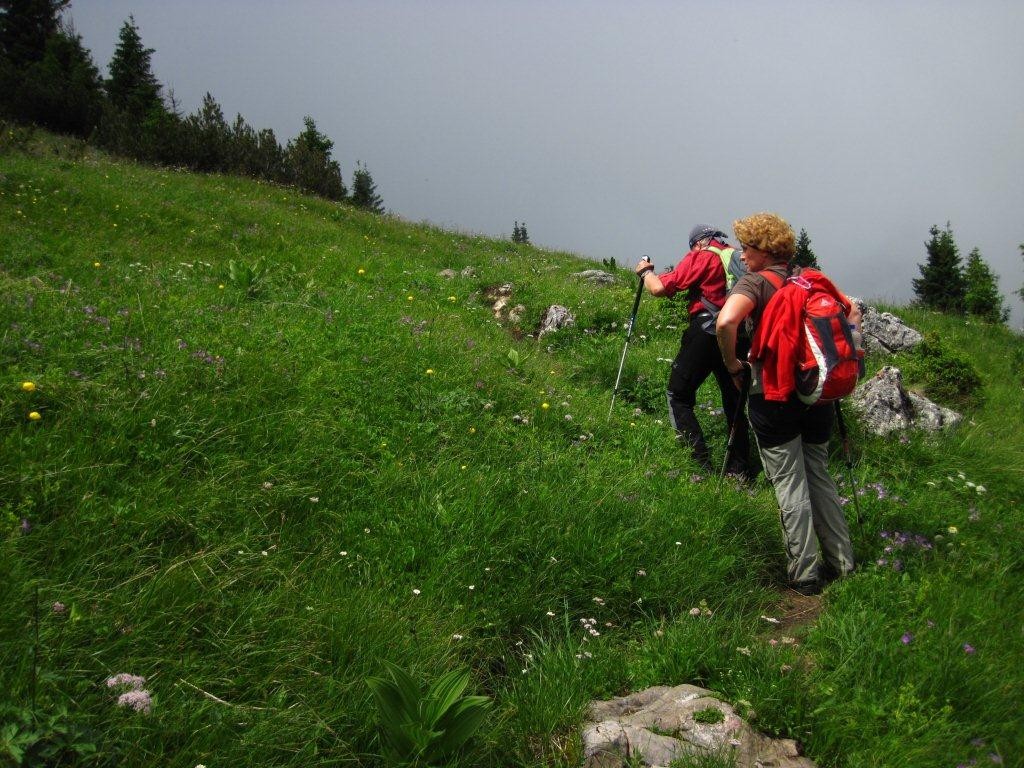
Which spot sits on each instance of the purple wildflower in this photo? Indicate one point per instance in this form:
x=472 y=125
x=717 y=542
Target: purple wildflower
x=995 y=758
x=139 y=700
x=907 y=638
x=968 y=649
x=897 y=565
x=26 y=526
x=59 y=607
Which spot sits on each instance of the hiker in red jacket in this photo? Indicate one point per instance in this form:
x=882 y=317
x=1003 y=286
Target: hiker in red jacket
x=792 y=437
x=702 y=275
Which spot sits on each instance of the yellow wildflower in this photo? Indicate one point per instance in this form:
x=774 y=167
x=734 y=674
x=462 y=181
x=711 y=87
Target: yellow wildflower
x=28 y=386
x=34 y=416
x=430 y=371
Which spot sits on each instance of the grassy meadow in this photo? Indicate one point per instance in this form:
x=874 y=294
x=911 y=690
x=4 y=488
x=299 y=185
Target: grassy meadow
x=254 y=484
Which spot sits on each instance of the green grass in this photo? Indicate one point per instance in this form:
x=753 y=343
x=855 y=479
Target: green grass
x=254 y=494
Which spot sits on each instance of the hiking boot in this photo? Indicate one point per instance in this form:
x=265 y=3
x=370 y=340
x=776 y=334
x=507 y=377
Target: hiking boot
x=807 y=588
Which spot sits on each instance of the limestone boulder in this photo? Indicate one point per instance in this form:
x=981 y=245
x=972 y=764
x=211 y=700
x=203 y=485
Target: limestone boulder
x=884 y=333
x=662 y=724
x=596 y=276
x=885 y=406
x=555 y=318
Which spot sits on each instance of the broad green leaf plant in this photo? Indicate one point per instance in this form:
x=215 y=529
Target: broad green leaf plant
x=420 y=728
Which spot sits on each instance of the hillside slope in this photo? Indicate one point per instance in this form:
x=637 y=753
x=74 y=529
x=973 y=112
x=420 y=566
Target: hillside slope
x=252 y=484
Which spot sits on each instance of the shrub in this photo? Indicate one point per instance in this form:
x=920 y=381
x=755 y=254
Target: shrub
x=944 y=376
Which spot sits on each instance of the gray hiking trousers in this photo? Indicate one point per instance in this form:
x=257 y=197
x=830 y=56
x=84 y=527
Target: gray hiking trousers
x=810 y=510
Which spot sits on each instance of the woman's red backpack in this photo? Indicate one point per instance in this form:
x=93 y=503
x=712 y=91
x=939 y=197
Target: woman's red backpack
x=827 y=361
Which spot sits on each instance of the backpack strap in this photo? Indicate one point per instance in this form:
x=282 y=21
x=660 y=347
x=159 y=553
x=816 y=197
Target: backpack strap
x=772 y=278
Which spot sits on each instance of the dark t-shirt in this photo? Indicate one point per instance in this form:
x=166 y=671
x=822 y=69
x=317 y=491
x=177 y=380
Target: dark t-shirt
x=758 y=289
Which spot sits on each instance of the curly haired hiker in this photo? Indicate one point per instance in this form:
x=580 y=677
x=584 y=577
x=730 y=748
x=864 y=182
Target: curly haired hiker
x=702 y=274
x=792 y=437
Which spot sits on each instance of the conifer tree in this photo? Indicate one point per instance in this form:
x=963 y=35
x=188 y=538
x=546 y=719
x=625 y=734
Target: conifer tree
x=364 y=191
x=25 y=26
x=983 y=298
x=132 y=87
x=63 y=90
x=804 y=256
x=1020 y=291
x=941 y=285
x=309 y=164
x=46 y=74
x=208 y=137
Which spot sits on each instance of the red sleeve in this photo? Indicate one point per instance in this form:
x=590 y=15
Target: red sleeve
x=687 y=273
x=698 y=269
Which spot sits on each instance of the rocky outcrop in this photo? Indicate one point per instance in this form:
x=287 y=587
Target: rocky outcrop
x=662 y=724
x=451 y=273
x=555 y=318
x=885 y=333
x=596 y=276
x=885 y=406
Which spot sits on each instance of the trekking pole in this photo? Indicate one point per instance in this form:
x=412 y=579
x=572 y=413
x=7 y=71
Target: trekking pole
x=849 y=460
x=629 y=332
x=744 y=390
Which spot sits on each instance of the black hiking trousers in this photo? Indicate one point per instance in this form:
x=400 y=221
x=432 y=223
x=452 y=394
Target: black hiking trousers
x=698 y=358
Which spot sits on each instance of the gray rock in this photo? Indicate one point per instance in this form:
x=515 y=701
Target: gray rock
x=658 y=726
x=448 y=273
x=555 y=318
x=515 y=315
x=468 y=272
x=884 y=332
x=932 y=417
x=885 y=406
x=596 y=276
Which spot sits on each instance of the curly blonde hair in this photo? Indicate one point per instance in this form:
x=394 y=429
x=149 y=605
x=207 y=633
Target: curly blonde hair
x=767 y=232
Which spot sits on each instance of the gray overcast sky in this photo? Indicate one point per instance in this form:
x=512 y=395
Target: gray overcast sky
x=611 y=128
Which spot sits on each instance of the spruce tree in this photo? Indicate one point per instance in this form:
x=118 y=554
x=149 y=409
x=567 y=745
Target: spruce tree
x=309 y=164
x=941 y=285
x=364 y=191
x=25 y=26
x=804 y=256
x=132 y=87
x=209 y=137
x=1020 y=291
x=983 y=298
x=63 y=90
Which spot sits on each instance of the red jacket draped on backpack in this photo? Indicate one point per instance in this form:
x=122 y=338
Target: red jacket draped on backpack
x=778 y=339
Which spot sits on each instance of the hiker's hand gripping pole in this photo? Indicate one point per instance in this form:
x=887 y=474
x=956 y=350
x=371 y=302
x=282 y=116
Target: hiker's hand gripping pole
x=629 y=329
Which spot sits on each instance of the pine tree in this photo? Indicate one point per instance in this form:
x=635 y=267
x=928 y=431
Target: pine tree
x=364 y=191
x=804 y=256
x=209 y=137
x=519 y=234
x=309 y=164
x=983 y=298
x=941 y=285
x=132 y=87
x=1020 y=291
x=25 y=26
x=46 y=75
x=62 y=91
